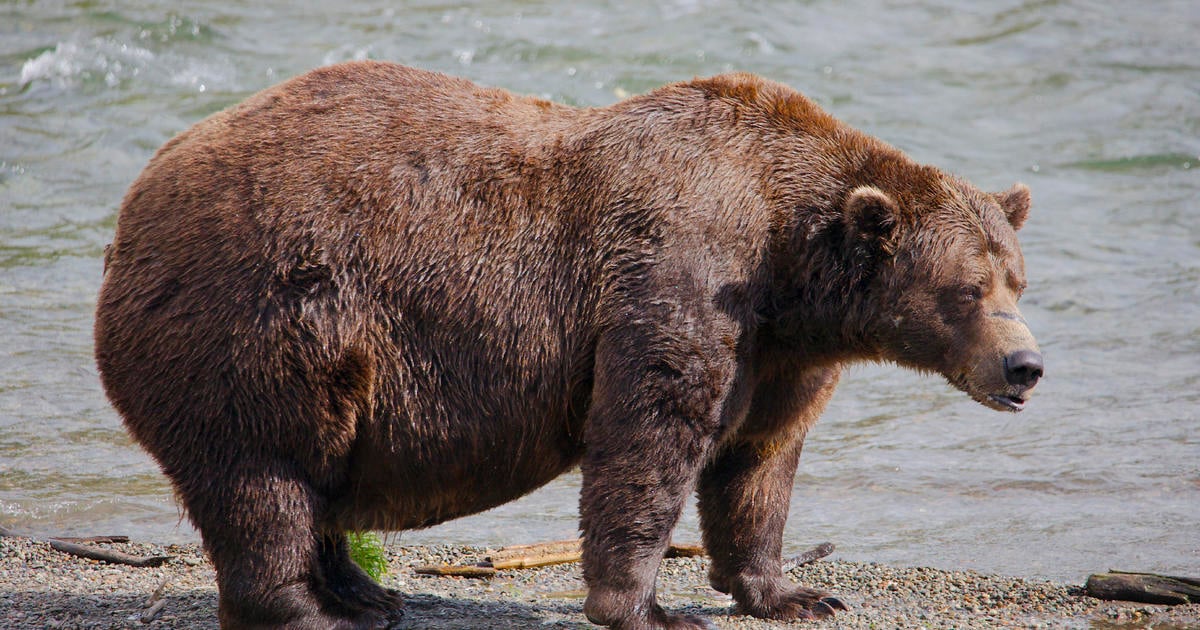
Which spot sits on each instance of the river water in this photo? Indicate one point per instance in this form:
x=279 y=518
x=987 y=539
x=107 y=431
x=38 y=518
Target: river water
x=1095 y=105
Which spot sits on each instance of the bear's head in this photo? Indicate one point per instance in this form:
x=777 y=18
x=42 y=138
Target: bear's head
x=948 y=275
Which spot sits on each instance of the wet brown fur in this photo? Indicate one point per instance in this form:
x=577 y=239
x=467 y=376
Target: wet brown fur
x=374 y=297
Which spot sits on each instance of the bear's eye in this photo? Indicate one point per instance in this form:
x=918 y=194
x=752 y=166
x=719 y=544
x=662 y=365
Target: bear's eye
x=972 y=293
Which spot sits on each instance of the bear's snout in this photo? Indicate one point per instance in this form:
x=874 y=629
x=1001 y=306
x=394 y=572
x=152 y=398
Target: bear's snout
x=1023 y=368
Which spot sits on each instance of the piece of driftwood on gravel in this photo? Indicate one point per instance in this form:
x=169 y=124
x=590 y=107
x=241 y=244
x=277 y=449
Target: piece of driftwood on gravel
x=559 y=551
x=534 y=560
x=685 y=551
x=564 y=551
x=812 y=555
x=455 y=570
x=106 y=555
x=155 y=604
x=1147 y=588
x=532 y=556
x=70 y=545
x=91 y=540
x=152 y=613
x=555 y=547
x=535 y=555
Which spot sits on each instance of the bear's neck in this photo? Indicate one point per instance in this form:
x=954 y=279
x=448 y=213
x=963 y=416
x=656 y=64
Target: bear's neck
x=821 y=305
x=823 y=316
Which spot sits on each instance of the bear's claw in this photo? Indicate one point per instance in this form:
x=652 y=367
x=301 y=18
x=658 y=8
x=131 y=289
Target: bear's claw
x=834 y=603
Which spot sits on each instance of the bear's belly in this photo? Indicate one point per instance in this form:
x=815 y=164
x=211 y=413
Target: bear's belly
x=420 y=479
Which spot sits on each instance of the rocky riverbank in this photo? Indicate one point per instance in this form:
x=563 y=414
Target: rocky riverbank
x=44 y=588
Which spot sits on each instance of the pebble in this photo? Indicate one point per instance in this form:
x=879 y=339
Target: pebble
x=42 y=588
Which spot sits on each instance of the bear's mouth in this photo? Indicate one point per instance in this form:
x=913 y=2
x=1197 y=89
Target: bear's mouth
x=998 y=402
x=1008 y=402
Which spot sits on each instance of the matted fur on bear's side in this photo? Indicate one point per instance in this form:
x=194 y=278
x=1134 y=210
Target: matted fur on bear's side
x=374 y=297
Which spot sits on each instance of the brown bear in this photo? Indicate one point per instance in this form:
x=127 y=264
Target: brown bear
x=378 y=298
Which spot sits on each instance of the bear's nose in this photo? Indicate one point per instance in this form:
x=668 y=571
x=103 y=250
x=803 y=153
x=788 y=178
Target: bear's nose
x=1023 y=367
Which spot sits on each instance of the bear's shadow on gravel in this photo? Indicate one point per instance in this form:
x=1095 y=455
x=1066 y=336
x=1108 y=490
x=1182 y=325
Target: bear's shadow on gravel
x=432 y=611
x=197 y=610
x=193 y=609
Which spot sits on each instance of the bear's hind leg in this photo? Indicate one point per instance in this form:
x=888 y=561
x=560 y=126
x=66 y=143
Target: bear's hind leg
x=350 y=585
x=258 y=524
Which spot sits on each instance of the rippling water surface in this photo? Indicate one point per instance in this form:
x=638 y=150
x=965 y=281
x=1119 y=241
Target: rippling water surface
x=1095 y=105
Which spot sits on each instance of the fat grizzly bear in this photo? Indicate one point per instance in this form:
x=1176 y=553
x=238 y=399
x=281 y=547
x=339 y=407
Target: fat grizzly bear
x=378 y=298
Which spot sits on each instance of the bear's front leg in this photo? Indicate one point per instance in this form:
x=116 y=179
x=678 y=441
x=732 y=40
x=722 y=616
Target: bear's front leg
x=649 y=430
x=744 y=496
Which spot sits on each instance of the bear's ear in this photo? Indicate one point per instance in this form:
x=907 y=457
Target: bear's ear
x=871 y=217
x=1015 y=201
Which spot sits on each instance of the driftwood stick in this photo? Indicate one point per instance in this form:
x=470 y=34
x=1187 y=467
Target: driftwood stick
x=107 y=555
x=70 y=545
x=516 y=552
x=812 y=555
x=4 y=531
x=560 y=551
x=538 y=560
x=158 y=593
x=1148 y=588
x=685 y=551
x=152 y=613
x=86 y=540
x=534 y=555
x=469 y=571
x=154 y=606
x=553 y=544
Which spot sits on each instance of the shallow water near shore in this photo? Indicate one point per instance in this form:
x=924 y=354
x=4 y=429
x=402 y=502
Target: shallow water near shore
x=1096 y=107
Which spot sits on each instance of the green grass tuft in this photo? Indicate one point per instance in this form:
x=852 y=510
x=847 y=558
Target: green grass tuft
x=366 y=549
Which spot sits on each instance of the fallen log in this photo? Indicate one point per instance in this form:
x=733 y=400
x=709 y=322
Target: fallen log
x=86 y=540
x=71 y=545
x=1147 y=588
x=106 y=555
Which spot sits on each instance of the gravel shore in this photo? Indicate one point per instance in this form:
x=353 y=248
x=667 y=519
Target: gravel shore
x=43 y=588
